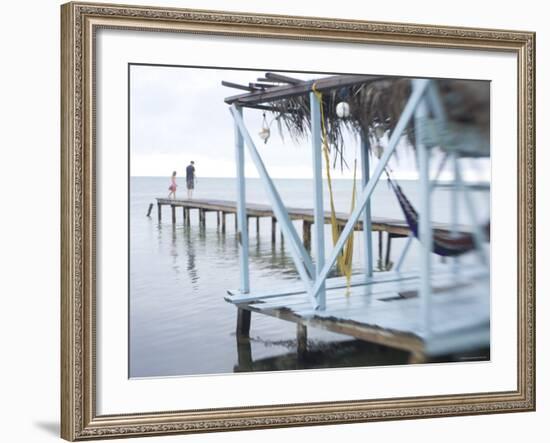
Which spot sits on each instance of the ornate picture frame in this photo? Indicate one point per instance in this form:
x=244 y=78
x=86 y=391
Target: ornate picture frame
x=80 y=22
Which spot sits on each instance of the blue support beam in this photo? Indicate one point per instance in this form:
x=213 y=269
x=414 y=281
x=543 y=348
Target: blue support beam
x=301 y=259
x=318 y=210
x=242 y=228
x=367 y=219
x=396 y=135
x=479 y=237
x=425 y=233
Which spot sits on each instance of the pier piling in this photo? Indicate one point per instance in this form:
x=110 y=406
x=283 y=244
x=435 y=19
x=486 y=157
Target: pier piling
x=394 y=228
x=273 y=229
x=301 y=338
x=306 y=234
x=243 y=322
x=150 y=209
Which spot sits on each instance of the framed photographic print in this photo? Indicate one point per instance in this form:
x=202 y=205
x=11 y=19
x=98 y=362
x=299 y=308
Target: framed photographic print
x=282 y=221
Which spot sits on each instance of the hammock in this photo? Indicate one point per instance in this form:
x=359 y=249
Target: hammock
x=444 y=242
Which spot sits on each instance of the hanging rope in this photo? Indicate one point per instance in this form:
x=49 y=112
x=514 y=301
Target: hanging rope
x=345 y=258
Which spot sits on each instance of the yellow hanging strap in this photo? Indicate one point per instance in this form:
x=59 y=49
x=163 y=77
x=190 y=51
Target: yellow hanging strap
x=345 y=259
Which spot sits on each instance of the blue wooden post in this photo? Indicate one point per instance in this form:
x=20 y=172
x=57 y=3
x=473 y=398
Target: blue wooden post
x=479 y=236
x=241 y=209
x=367 y=221
x=454 y=206
x=299 y=255
x=366 y=193
x=424 y=221
x=404 y=252
x=318 y=211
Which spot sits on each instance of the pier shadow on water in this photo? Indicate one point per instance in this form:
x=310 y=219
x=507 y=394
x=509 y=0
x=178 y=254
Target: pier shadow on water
x=320 y=354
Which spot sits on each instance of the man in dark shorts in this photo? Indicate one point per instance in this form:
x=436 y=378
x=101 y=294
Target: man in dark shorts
x=190 y=179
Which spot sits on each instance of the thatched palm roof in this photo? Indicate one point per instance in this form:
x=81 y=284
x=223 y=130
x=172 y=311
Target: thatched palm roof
x=375 y=106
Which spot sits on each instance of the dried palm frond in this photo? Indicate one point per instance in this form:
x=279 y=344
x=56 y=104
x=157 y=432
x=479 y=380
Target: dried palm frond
x=375 y=108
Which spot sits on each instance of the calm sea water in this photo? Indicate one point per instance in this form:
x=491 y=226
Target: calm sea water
x=179 y=321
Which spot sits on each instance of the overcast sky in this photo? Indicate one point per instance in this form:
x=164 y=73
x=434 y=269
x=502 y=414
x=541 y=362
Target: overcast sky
x=178 y=114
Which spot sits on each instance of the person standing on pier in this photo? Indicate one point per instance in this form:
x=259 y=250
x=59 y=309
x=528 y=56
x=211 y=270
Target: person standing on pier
x=190 y=179
x=173 y=186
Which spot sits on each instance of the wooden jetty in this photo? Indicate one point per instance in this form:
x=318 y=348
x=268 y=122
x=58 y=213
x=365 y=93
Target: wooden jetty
x=256 y=210
x=393 y=228
x=385 y=309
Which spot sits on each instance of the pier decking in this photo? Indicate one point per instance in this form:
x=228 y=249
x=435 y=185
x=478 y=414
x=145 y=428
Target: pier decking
x=393 y=227
x=386 y=310
x=256 y=210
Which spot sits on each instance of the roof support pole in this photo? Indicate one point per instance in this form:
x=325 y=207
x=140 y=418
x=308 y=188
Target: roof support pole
x=479 y=236
x=404 y=252
x=364 y=197
x=318 y=210
x=454 y=207
x=367 y=220
x=424 y=216
x=242 y=228
x=301 y=259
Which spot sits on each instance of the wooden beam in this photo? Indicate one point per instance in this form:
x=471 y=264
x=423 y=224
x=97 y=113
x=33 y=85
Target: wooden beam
x=237 y=86
x=173 y=214
x=159 y=210
x=282 y=78
x=261 y=85
x=150 y=209
x=285 y=91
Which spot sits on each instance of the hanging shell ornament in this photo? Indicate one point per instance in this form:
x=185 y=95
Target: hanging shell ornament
x=265 y=132
x=342 y=110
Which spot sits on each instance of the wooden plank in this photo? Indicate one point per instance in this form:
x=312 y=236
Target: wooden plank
x=331 y=283
x=282 y=78
x=292 y=90
x=381 y=285
x=237 y=86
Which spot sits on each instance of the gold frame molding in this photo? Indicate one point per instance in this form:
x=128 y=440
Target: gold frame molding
x=79 y=22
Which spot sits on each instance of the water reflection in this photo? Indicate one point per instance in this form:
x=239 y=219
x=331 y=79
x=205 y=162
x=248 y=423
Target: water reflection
x=189 y=247
x=319 y=354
